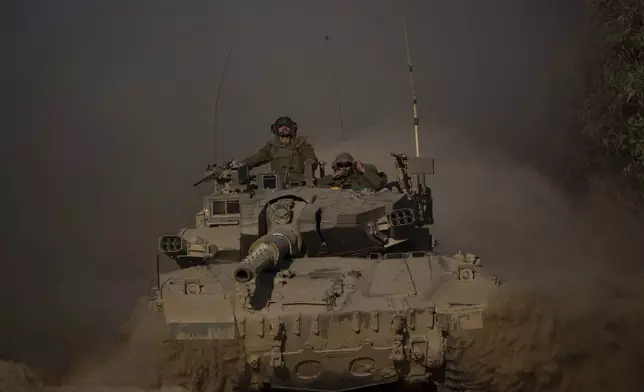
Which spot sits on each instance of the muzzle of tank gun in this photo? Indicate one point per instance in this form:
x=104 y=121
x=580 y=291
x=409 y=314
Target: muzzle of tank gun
x=172 y=245
x=264 y=253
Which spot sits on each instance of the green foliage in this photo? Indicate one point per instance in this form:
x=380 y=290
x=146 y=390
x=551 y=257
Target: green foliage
x=613 y=107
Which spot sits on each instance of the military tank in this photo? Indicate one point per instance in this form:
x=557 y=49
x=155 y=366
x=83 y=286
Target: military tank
x=331 y=289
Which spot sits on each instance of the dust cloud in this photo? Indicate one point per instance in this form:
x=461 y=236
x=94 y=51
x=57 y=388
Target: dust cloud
x=586 y=340
x=113 y=121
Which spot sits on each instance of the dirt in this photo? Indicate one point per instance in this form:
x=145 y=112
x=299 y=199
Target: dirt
x=109 y=389
x=16 y=377
x=587 y=339
x=200 y=365
x=141 y=359
x=131 y=360
x=139 y=367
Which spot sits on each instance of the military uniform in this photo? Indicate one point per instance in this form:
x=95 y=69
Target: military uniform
x=356 y=181
x=284 y=157
x=351 y=177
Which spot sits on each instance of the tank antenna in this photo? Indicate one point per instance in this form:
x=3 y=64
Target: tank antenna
x=159 y=279
x=335 y=83
x=411 y=78
x=221 y=83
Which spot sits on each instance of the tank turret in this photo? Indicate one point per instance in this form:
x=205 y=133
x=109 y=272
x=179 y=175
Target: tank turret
x=343 y=222
x=233 y=216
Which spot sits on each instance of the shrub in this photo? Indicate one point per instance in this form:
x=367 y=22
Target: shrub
x=612 y=113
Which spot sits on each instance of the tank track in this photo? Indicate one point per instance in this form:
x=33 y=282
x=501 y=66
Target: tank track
x=456 y=379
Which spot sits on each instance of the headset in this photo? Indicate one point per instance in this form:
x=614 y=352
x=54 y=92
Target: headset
x=281 y=121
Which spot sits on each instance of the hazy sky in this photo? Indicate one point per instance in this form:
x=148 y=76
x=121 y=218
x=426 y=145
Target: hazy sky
x=113 y=113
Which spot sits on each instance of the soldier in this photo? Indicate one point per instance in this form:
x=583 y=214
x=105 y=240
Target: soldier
x=286 y=153
x=349 y=173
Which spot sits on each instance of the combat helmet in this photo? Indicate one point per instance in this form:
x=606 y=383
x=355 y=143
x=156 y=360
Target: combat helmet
x=284 y=121
x=342 y=158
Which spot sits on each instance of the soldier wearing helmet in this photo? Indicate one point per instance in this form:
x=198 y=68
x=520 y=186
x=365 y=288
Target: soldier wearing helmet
x=352 y=174
x=287 y=152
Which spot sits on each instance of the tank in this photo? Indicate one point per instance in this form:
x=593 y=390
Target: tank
x=333 y=289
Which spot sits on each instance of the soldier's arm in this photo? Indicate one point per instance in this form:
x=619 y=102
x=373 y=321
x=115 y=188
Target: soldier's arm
x=261 y=157
x=308 y=152
x=381 y=175
x=369 y=166
x=373 y=178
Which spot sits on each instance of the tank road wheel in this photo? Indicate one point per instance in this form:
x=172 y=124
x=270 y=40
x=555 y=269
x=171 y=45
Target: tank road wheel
x=456 y=379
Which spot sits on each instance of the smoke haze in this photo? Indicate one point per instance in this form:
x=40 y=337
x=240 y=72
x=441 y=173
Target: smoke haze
x=114 y=117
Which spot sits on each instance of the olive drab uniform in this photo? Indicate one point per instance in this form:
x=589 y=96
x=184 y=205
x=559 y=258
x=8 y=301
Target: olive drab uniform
x=284 y=157
x=370 y=179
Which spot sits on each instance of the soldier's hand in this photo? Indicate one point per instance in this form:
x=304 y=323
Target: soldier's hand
x=359 y=167
x=234 y=164
x=337 y=173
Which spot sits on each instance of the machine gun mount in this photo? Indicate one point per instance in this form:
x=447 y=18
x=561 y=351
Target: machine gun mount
x=231 y=177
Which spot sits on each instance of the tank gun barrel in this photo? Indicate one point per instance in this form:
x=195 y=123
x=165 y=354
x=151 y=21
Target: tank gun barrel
x=267 y=251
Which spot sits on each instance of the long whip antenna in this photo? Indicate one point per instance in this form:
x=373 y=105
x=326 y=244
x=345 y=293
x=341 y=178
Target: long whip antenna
x=221 y=83
x=335 y=83
x=411 y=78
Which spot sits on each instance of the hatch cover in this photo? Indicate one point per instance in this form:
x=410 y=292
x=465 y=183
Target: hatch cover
x=392 y=278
